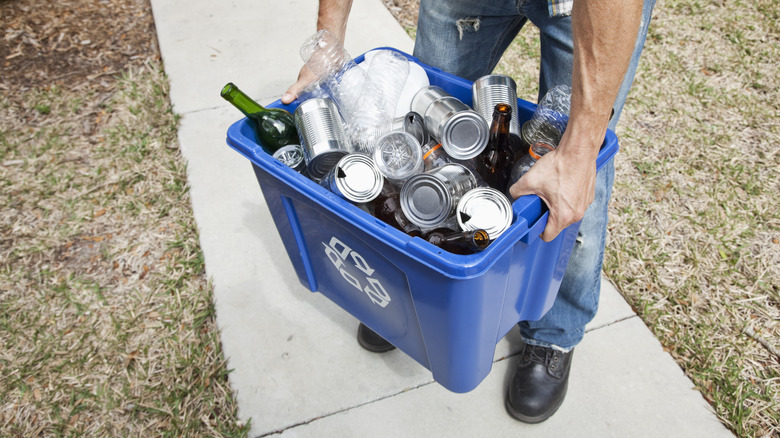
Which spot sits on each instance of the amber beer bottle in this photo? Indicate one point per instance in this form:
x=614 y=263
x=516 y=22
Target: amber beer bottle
x=459 y=242
x=495 y=163
x=273 y=127
x=387 y=208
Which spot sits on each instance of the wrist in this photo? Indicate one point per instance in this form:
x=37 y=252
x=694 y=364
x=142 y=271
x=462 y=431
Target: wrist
x=583 y=137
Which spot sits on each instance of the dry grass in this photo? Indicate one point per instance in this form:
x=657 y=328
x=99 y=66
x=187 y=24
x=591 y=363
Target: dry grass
x=695 y=227
x=695 y=234
x=106 y=317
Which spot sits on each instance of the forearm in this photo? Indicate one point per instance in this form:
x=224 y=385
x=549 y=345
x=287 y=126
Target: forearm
x=603 y=33
x=333 y=16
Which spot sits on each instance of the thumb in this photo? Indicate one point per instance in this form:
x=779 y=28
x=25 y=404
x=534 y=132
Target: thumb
x=292 y=92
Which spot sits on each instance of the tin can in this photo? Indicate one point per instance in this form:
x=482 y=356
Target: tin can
x=291 y=156
x=429 y=199
x=355 y=178
x=398 y=156
x=412 y=123
x=322 y=135
x=462 y=132
x=484 y=208
x=490 y=90
x=425 y=97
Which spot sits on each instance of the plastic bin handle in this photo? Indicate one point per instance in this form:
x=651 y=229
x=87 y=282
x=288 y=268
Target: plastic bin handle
x=535 y=213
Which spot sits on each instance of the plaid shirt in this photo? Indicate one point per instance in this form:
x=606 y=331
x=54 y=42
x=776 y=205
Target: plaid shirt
x=559 y=8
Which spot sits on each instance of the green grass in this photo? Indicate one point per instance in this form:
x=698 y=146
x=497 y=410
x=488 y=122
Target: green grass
x=694 y=242
x=107 y=324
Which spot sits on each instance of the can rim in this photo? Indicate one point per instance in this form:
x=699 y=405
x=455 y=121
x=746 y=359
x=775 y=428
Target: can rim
x=322 y=163
x=471 y=206
x=465 y=152
x=437 y=189
x=347 y=165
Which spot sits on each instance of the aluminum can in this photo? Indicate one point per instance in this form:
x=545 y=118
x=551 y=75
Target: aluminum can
x=291 y=155
x=425 y=97
x=429 y=198
x=355 y=178
x=462 y=132
x=412 y=123
x=484 y=208
x=490 y=90
x=322 y=135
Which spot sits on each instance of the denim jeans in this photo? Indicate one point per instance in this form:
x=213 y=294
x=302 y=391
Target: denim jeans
x=467 y=38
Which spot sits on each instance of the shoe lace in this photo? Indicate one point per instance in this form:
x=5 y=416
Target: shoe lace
x=537 y=354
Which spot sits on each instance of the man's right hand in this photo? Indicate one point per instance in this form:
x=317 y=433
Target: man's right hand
x=305 y=77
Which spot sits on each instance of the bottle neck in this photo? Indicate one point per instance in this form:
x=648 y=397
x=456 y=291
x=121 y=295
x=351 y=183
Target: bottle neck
x=244 y=103
x=464 y=242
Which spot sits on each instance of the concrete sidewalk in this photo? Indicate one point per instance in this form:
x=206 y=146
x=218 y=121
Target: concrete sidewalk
x=297 y=368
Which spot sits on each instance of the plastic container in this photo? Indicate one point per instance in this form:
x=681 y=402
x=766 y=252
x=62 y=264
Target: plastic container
x=445 y=311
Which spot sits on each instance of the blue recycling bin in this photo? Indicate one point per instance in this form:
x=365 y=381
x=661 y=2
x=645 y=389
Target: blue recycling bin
x=445 y=311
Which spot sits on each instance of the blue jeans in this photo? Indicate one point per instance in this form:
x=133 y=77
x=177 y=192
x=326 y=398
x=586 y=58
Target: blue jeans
x=467 y=38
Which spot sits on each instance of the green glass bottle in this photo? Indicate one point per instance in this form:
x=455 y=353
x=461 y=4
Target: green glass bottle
x=273 y=127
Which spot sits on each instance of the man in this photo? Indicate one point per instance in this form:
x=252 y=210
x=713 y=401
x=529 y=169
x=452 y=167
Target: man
x=592 y=45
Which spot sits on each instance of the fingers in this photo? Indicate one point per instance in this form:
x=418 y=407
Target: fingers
x=305 y=77
x=566 y=198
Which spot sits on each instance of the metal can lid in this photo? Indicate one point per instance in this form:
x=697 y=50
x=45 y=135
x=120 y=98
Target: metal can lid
x=357 y=178
x=320 y=165
x=425 y=201
x=290 y=155
x=484 y=208
x=465 y=135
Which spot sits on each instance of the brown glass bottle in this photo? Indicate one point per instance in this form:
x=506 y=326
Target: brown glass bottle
x=459 y=242
x=387 y=208
x=494 y=164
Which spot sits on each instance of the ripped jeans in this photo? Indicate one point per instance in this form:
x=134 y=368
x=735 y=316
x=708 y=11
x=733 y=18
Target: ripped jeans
x=467 y=38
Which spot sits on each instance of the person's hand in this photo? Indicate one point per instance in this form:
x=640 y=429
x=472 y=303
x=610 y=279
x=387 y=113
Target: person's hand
x=305 y=77
x=565 y=179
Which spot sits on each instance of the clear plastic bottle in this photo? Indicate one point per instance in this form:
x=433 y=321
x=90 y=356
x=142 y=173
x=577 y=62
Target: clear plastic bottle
x=524 y=163
x=375 y=108
x=398 y=156
x=326 y=57
x=550 y=117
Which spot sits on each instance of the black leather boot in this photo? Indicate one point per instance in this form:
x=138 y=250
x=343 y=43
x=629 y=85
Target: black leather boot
x=539 y=384
x=371 y=341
